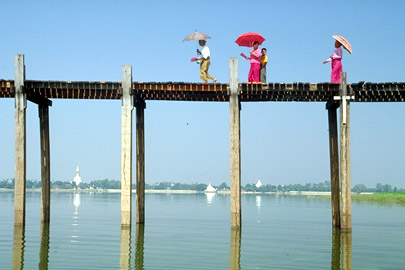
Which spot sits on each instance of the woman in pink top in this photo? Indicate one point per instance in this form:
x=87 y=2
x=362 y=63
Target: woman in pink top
x=254 y=72
x=336 y=59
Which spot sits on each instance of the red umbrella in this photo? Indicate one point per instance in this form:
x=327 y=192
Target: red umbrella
x=247 y=39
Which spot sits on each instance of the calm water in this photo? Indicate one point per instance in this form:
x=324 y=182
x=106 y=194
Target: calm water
x=193 y=232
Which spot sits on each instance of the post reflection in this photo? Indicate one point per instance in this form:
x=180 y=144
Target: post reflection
x=139 y=245
x=347 y=250
x=125 y=250
x=44 y=248
x=341 y=250
x=234 y=258
x=18 y=247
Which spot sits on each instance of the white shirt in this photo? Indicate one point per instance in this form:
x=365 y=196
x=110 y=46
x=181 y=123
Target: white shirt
x=205 y=52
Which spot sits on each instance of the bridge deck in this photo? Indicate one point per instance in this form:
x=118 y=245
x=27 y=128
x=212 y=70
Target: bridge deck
x=181 y=91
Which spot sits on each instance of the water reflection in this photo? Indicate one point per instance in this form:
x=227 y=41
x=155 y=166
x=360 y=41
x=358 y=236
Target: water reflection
x=139 y=245
x=258 y=202
x=18 y=248
x=341 y=250
x=210 y=197
x=234 y=258
x=44 y=248
x=76 y=202
x=125 y=252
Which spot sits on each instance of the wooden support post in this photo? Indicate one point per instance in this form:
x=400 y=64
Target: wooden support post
x=334 y=162
x=140 y=161
x=20 y=141
x=126 y=147
x=43 y=110
x=346 y=220
x=235 y=162
x=234 y=258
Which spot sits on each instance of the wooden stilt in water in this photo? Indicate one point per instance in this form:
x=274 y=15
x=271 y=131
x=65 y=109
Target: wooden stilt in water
x=126 y=147
x=334 y=162
x=20 y=141
x=235 y=162
x=140 y=161
x=346 y=219
x=43 y=110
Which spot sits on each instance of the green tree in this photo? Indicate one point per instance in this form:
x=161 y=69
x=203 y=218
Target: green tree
x=223 y=186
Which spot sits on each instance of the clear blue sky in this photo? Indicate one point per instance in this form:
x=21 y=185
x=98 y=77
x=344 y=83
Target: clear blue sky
x=281 y=142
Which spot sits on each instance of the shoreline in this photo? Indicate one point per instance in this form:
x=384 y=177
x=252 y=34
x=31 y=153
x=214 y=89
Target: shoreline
x=154 y=191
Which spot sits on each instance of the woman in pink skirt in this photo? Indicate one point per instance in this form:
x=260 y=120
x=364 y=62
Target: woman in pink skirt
x=336 y=59
x=254 y=72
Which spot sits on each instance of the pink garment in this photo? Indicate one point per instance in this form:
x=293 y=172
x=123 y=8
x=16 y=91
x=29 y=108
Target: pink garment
x=336 y=70
x=255 y=59
x=337 y=54
x=254 y=72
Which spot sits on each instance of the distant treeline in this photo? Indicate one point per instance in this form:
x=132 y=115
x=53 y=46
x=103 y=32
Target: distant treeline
x=115 y=184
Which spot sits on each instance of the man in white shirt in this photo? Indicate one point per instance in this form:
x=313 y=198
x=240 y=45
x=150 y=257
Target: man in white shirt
x=204 y=62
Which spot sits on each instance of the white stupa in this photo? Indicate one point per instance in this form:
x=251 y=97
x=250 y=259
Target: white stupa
x=210 y=188
x=77 y=179
x=259 y=183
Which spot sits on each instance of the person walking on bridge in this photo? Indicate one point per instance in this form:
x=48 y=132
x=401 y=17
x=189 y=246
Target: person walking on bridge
x=336 y=57
x=254 y=72
x=205 y=62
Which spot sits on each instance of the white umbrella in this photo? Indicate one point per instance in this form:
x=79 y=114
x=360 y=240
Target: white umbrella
x=196 y=36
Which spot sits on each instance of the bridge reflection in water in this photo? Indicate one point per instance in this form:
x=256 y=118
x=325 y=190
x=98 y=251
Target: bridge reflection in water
x=341 y=253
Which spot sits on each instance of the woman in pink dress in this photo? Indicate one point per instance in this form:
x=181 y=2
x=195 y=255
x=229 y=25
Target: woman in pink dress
x=336 y=59
x=254 y=72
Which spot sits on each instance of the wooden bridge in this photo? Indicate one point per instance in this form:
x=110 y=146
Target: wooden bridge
x=135 y=94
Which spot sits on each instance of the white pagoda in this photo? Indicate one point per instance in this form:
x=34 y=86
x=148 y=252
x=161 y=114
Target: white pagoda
x=77 y=179
x=210 y=188
x=259 y=183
